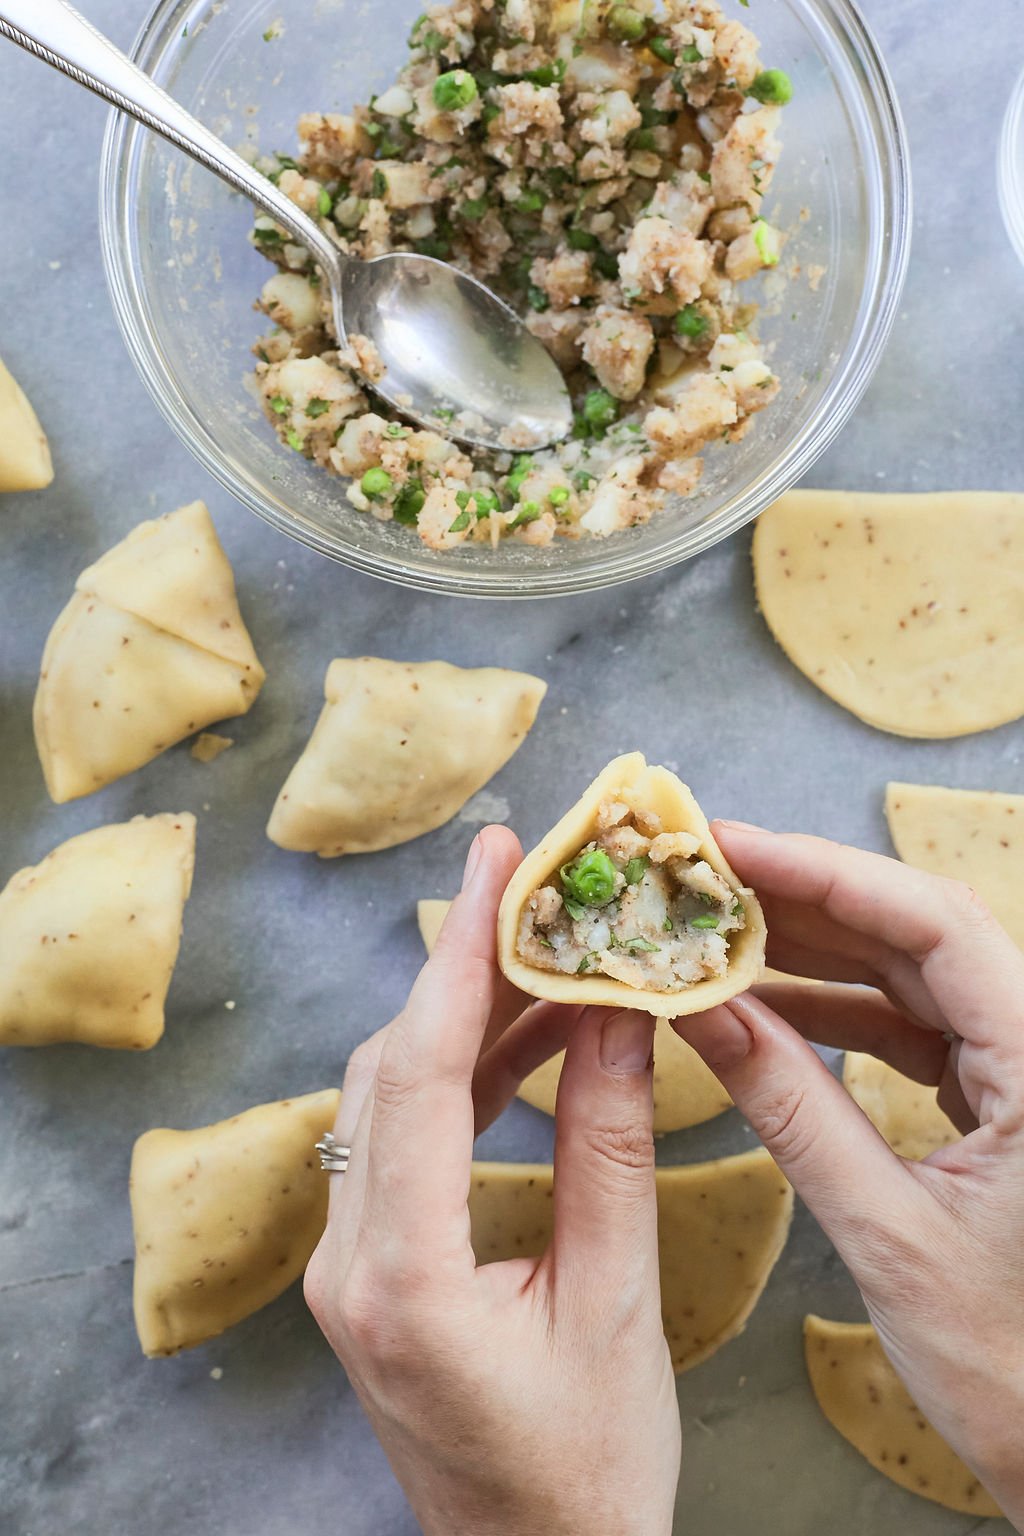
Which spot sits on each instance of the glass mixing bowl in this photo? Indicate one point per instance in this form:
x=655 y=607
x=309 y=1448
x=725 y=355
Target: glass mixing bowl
x=183 y=276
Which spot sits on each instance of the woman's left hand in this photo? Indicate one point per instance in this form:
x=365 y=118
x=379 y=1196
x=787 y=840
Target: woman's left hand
x=532 y=1396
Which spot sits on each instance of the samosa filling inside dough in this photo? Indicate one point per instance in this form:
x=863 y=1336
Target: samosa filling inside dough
x=637 y=904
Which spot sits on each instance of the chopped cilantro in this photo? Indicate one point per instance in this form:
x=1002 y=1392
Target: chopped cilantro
x=635 y=869
x=379 y=185
x=538 y=298
x=644 y=946
x=474 y=208
x=692 y=54
x=584 y=964
x=707 y=920
x=409 y=502
x=573 y=908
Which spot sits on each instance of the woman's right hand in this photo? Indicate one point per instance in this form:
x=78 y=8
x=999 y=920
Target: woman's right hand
x=936 y=1247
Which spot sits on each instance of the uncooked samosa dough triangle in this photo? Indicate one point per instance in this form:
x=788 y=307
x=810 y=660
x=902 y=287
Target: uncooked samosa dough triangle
x=906 y=609
x=89 y=936
x=721 y=1228
x=629 y=902
x=975 y=835
x=225 y=1217
x=173 y=573
x=398 y=750
x=114 y=692
x=686 y=1092
x=862 y=1397
x=906 y=1113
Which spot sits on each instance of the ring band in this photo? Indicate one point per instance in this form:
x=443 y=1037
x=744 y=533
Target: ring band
x=333 y=1156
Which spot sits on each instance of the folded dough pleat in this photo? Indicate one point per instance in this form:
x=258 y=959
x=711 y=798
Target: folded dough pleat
x=721 y=1228
x=642 y=793
x=150 y=648
x=89 y=937
x=398 y=750
x=225 y=1217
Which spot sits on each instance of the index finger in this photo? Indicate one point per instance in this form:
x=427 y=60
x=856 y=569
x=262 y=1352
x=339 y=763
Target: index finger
x=972 y=968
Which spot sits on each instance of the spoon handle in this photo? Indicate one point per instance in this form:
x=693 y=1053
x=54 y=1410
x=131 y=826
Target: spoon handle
x=57 y=34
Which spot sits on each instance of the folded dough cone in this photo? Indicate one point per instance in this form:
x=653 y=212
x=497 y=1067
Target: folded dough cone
x=686 y=1092
x=721 y=1228
x=25 y=463
x=908 y=610
x=630 y=781
x=150 y=649
x=975 y=835
x=225 y=1218
x=906 y=1113
x=863 y=1398
x=398 y=750
x=89 y=937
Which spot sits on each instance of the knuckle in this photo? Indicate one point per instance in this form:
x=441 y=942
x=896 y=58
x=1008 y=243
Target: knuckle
x=965 y=905
x=783 y=1125
x=383 y=1312
x=395 y=1083
x=315 y=1287
x=627 y=1146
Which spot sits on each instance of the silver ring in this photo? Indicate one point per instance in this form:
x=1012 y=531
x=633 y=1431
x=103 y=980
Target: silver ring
x=333 y=1156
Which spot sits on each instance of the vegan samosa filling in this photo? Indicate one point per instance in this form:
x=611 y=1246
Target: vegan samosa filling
x=636 y=903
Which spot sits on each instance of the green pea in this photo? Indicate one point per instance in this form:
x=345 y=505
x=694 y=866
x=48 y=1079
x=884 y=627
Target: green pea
x=376 y=482
x=626 y=24
x=772 y=86
x=558 y=495
x=324 y=202
x=293 y=439
x=692 y=54
x=590 y=879
x=521 y=467
x=317 y=407
x=454 y=89
x=409 y=502
x=690 y=322
x=600 y=409
x=662 y=49
x=706 y=920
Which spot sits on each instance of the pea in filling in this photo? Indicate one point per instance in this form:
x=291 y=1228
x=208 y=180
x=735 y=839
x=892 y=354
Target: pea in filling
x=637 y=904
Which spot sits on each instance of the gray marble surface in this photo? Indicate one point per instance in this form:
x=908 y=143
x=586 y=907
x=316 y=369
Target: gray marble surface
x=93 y=1439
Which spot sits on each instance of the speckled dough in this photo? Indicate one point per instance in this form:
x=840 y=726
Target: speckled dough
x=25 y=463
x=225 y=1217
x=721 y=1228
x=90 y=936
x=630 y=780
x=398 y=750
x=906 y=1113
x=965 y=834
x=906 y=609
x=686 y=1092
x=150 y=648
x=863 y=1398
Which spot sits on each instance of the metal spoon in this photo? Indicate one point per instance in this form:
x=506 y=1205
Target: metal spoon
x=456 y=358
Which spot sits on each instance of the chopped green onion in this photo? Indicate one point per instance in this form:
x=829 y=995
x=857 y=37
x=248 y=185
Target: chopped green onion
x=600 y=410
x=584 y=964
x=767 y=241
x=445 y=413
x=642 y=138
x=324 y=202
x=394 y=430
x=373 y=129
x=690 y=322
x=461 y=522
x=474 y=208
x=636 y=869
x=267 y=236
x=521 y=467
x=667 y=925
x=692 y=54
x=583 y=480
x=455 y=89
x=293 y=439
x=484 y=501
x=654 y=117
x=626 y=24
x=559 y=495
x=643 y=945
x=547 y=74
x=409 y=502
x=530 y=202
x=489 y=113
x=590 y=879
x=546 y=942
x=772 y=86
x=433 y=247
x=662 y=49
x=279 y=404
x=528 y=513
x=737 y=909
x=581 y=239
x=707 y=920
x=376 y=482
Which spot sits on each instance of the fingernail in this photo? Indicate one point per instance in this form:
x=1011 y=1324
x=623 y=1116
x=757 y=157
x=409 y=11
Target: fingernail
x=473 y=857
x=738 y=826
x=627 y=1042
x=719 y=1036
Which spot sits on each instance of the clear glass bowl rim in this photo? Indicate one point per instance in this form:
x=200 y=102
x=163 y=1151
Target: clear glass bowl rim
x=891 y=173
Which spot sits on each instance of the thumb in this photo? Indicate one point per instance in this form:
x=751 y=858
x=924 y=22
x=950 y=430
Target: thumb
x=821 y=1139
